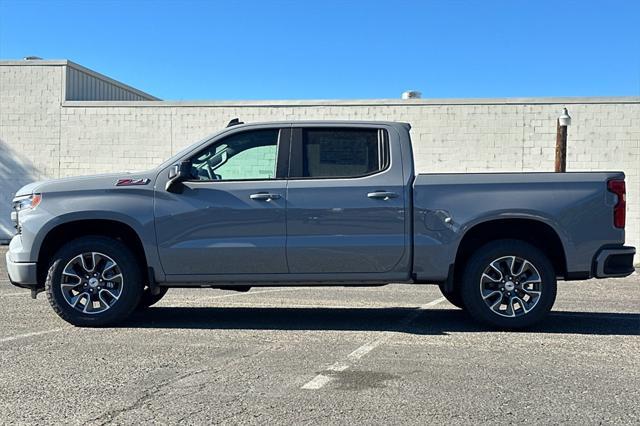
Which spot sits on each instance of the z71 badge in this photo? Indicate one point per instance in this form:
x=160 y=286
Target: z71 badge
x=130 y=182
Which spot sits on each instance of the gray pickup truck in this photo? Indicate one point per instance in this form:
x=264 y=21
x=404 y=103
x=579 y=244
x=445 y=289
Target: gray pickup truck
x=315 y=203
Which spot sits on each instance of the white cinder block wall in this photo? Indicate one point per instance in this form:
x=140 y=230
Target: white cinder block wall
x=41 y=134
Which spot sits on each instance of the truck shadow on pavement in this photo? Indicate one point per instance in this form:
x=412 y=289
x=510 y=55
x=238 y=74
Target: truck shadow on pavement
x=429 y=322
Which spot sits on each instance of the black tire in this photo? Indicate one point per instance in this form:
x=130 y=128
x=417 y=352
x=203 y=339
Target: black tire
x=131 y=288
x=149 y=299
x=482 y=260
x=454 y=297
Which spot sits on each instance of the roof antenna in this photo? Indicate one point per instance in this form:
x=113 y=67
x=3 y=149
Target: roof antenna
x=235 y=122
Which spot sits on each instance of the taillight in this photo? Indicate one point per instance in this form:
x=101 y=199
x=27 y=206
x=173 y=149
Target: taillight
x=620 y=209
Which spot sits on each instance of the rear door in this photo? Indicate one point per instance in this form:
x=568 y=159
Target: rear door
x=345 y=201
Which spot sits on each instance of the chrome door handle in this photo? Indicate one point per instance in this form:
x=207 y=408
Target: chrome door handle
x=264 y=196
x=382 y=195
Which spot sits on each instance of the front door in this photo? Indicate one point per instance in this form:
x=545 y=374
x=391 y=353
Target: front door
x=230 y=218
x=345 y=204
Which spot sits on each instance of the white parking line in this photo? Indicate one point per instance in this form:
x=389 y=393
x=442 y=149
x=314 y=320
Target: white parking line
x=322 y=379
x=319 y=381
x=23 y=293
x=24 y=336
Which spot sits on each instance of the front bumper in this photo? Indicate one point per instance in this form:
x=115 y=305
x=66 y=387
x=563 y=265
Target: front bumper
x=614 y=262
x=22 y=274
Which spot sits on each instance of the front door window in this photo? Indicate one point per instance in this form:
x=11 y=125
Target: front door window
x=243 y=156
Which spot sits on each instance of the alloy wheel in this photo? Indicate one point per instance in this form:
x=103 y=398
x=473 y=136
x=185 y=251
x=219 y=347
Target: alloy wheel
x=511 y=286
x=92 y=282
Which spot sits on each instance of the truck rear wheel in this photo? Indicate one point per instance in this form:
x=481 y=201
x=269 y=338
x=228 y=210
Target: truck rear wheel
x=93 y=281
x=454 y=297
x=508 y=284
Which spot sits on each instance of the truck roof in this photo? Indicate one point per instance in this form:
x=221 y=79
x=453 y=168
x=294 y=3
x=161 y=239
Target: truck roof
x=327 y=122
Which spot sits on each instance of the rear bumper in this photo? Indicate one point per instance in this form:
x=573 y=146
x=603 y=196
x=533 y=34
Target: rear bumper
x=22 y=274
x=614 y=262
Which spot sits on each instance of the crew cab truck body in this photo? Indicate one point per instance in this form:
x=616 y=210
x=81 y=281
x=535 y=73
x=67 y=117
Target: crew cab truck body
x=315 y=203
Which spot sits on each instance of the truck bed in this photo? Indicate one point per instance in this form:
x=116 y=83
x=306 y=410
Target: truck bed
x=577 y=206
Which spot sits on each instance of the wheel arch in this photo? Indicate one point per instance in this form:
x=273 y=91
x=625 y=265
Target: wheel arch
x=535 y=232
x=64 y=232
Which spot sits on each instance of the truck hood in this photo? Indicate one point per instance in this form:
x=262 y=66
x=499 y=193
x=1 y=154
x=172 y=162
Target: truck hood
x=28 y=189
x=80 y=183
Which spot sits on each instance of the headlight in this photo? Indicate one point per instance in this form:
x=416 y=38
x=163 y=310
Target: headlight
x=22 y=204
x=27 y=202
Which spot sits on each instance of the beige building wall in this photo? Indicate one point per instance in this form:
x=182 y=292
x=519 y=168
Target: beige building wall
x=54 y=137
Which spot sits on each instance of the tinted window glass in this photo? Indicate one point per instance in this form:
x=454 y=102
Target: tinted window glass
x=246 y=155
x=342 y=152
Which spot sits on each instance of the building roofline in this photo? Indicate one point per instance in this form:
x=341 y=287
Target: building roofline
x=362 y=102
x=71 y=64
x=33 y=62
x=156 y=102
x=112 y=81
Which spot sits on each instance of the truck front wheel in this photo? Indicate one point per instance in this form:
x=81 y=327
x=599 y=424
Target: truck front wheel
x=93 y=281
x=508 y=284
x=149 y=299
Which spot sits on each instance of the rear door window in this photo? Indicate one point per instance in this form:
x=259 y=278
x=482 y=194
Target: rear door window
x=341 y=153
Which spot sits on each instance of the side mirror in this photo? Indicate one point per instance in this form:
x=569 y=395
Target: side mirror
x=178 y=174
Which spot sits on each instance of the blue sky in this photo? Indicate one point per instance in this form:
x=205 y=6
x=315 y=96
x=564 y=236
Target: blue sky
x=339 y=49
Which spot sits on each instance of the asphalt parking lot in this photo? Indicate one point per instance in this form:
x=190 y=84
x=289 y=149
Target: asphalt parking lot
x=394 y=354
